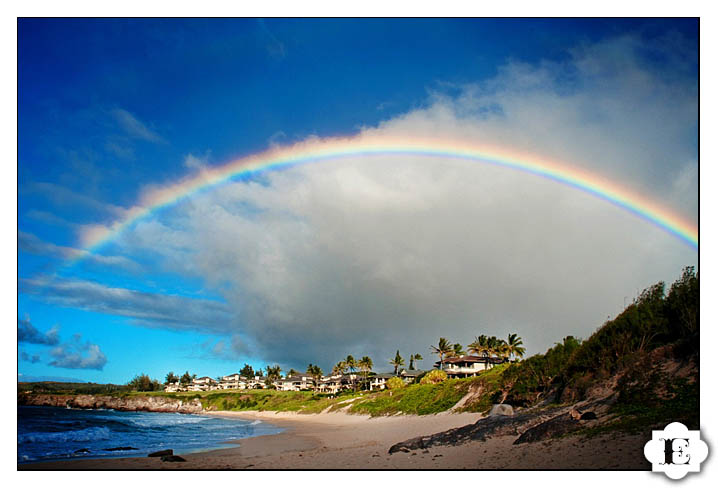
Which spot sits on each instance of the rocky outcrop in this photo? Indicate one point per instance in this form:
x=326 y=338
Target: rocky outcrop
x=501 y=410
x=481 y=430
x=158 y=404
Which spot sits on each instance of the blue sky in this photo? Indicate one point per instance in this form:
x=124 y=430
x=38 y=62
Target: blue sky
x=107 y=108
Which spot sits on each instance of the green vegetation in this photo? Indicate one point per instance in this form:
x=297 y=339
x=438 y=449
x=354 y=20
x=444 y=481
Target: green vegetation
x=143 y=383
x=433 y=377
x=394 y=383
x=71 y=388
x=656 y=329
x=414 y=399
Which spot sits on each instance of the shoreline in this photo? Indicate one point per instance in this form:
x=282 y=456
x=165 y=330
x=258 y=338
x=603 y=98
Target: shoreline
x=344 y=441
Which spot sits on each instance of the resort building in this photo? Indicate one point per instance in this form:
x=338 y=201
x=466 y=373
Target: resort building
x=468 y=365
x=294 y=383
x=203 y=384
x=233 y=381
x=378 y=381
x=174 y=387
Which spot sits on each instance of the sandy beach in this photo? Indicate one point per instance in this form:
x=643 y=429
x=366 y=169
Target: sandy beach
x=343 y=441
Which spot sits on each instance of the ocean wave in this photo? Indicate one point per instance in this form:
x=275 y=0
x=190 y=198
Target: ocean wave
x=255 y=422
x=87 y=434
x=156 y=420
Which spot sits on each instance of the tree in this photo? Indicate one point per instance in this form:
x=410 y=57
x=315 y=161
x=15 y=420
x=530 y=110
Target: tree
x=171 y=378
x=397 y=362
x=143 y=383
x=514 y=343
x=413 y=358
x=259 y=373
x=186 y=378
x=480 y=346
x=394 y=383
x=315 y=372
x=292 y=372
x=273 y=373
x=492 y=344
x=365 y=365
x=247 y=371
x=503 y=349
x=351 y=365
x=442 y=349
x=458 y=350
x=340 y=368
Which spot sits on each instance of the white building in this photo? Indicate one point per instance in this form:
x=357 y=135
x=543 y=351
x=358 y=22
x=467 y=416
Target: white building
x=468 y=365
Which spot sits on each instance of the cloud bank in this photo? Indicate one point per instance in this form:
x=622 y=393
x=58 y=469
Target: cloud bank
x=27 y=333
x=367 y=255
x=78 y=355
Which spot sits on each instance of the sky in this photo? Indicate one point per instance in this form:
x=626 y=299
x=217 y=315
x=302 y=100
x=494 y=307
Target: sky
x=356 y=254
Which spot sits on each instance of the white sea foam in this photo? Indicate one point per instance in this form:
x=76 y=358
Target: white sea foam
x=155 y=420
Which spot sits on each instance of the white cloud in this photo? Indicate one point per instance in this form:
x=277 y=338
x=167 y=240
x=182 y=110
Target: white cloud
x=150 y=309
x=78 y=355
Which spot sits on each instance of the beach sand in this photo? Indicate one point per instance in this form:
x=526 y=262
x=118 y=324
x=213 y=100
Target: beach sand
x=343 y=441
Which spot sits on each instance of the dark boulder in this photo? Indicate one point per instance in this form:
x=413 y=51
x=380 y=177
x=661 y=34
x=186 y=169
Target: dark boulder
x=588 y=415
x=173 y=458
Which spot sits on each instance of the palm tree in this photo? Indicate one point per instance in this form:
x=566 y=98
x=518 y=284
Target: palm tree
x=413 y=358
x=503 y=350
x=458 y=350
x=492 y=344
x=315 y=372
x=340 y=368
x=444 y=348
x=397 y=362
x=273 y=373
x=365 y=364
x=351 y=364
x=292 y=372
x=514 y=341
x=479 y=346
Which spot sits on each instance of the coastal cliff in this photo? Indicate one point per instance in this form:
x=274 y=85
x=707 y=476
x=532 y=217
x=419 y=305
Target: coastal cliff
x=131 y=403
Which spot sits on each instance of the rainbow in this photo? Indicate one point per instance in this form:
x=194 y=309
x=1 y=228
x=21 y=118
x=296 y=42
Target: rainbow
x=157 y=198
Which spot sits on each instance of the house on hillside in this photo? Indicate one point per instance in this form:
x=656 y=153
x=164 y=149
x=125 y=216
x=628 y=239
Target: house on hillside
x=378 y=381
x=294 y=383
x=468 y=365
x=203 y=384
x=233 y=381
x=174 y=387
x=409 y=376
x=257 y=382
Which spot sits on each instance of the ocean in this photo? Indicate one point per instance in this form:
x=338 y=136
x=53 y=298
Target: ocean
x=52 y=433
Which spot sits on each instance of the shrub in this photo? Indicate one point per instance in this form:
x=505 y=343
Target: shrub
x=394 y=383
x=434 y=377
